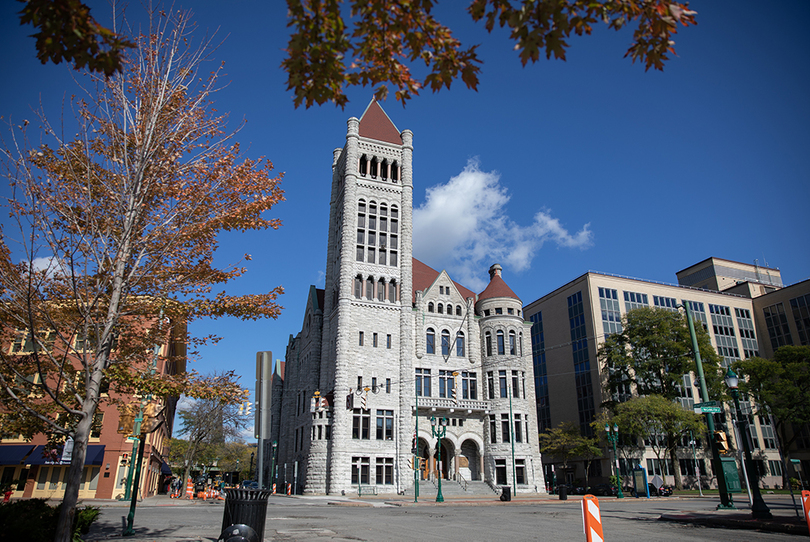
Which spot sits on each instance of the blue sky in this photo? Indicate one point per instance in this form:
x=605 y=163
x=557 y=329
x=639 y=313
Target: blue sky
x=551 y=170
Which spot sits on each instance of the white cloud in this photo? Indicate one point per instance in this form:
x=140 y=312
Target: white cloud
x=463 y=227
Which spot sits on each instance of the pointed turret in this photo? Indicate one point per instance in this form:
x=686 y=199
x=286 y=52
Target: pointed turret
x=375 y=124
x=497 y=287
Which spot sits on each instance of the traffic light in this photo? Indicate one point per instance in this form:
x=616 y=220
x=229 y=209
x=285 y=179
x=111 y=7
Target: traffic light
x=241 y=409
x=721 y=441
x=248 y=406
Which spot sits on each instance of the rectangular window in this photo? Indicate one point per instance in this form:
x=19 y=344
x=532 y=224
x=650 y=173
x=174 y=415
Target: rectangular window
x=801 y=315
x=775 y=467
x=633 y=300
x=361 y=338
x=423 y=382
x=724 y=336
x=502 y=381
x=491 y=385
x=669 y=303
x=469 y=386
x=385 y=425
x=374 y=340
x=387 y=385
x=505 y=433
x=777 y=324
x=515 y=386
x=518 y=429
x=611 y=314
x=520 y=471
x=501 y=350
x=360 y=254
x=446 y=383
x=748 y=336
x=388 y=341
x=360 y=424
x=493 y=434
x=360 y=470
x=385 y=471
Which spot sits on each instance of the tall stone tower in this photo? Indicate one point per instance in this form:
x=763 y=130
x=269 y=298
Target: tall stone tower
x=368 y=279
x=391 y=348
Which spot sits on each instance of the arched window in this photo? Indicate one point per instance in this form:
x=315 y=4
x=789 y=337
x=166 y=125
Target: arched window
x=369 y=288
x=441 y=309
x=392 y=291
x=374 y=167
x=489 y=343
x=381 y=290
x=460 y=344
x=430 y=341
x=500 y=343
x=458 y=310
x=512 y=344
x=445 y=343
x=394 y=171
x=430 y=306
x=384 y=170
x=363 y=165
x=358 y=286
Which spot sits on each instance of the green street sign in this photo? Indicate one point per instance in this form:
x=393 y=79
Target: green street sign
x=707 y=409
x=707 y=403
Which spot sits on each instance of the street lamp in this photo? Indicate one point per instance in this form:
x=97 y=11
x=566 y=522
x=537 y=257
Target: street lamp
x=613 y=438
x=759 y=510
x=726 y=500
x=439 y=429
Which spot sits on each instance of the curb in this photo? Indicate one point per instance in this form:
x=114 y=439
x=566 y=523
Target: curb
x=789 y=527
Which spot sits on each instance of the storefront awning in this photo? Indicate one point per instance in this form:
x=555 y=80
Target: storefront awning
x=13 y=454
x=95 y=456
x=165 y=469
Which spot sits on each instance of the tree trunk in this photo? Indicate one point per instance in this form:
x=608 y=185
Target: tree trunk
x=64 y=527
x=676 y=469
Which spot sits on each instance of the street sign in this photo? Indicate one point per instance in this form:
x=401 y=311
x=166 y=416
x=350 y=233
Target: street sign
x=706 y=403
x=707 y=409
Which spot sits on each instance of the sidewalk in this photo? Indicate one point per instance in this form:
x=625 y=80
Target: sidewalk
x=735 y=519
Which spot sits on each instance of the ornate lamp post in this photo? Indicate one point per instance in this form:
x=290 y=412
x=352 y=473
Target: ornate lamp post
x=439 y=430
x=759 y=510
x=613 y=438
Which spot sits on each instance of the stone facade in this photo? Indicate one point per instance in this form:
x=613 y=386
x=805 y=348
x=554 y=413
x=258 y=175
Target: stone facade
x=390 y=343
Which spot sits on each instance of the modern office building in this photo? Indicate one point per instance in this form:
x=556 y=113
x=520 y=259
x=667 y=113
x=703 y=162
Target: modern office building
x=746 y=310
x=389 y=347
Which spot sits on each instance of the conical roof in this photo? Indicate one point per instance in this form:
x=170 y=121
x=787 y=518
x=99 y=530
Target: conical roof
x=375 y=124
x=496 y=287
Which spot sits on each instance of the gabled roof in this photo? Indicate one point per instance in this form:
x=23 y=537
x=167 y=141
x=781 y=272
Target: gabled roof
x=375 y=124
x=497 y=288
x=424 y=277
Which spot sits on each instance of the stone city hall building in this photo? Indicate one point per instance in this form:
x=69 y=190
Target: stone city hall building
x=390 y=343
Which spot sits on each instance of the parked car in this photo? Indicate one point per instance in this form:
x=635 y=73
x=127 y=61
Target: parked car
x=603 y=490
x=250 y=484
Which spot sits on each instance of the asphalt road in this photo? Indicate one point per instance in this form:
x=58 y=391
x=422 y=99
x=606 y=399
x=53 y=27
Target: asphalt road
x=313 y=519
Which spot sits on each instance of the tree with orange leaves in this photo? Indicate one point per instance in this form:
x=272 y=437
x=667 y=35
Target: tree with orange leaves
x=337 y=44
x=115 y=234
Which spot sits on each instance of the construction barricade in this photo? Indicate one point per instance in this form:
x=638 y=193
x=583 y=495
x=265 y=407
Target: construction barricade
x=592 y=519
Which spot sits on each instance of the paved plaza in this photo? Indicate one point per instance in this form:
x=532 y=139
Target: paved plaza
x=349 y=518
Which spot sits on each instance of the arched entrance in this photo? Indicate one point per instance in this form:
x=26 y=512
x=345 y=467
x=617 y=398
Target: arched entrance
x=427 y=459
x=470 y=461
x=446 y=465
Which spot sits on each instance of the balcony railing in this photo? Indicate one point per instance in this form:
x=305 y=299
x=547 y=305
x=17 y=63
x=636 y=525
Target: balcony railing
x=444 y=403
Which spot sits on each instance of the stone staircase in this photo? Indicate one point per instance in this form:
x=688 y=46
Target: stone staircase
x=428 y=489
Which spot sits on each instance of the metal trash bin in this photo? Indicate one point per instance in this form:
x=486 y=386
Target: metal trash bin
x=506 y=493
x=563 y=491
x=247 y=507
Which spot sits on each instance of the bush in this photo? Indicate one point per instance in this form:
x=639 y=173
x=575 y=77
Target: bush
x=34 y=520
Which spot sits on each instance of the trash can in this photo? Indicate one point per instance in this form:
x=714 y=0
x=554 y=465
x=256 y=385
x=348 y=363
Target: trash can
x=563 y=491
x=506 y=493
x=246 y=507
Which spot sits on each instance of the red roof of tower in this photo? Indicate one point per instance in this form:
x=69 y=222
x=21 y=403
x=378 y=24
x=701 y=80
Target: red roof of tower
x=497 y=288
x=375 y=124
x=424 y=276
